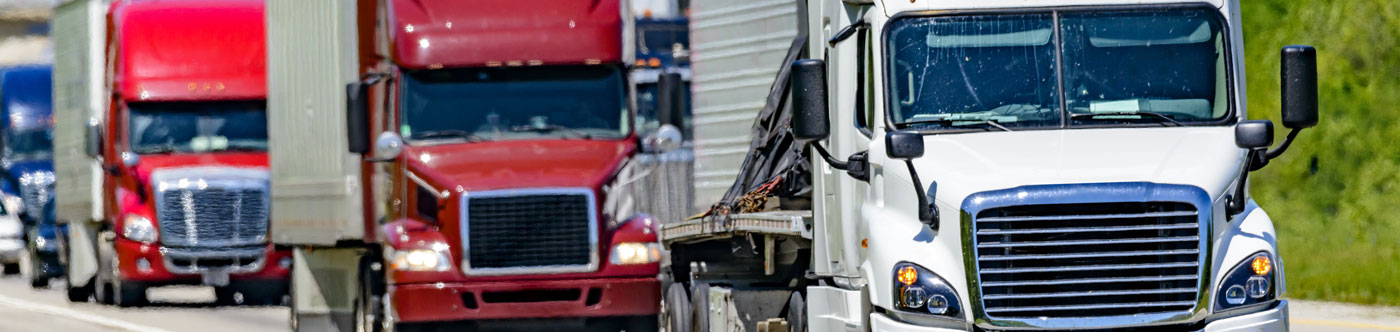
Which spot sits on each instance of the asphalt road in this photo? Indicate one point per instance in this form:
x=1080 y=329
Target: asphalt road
x=190 y=309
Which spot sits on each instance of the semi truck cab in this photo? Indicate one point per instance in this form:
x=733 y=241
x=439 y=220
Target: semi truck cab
x=185 y=190
x=1015 y=165
x=26 y=119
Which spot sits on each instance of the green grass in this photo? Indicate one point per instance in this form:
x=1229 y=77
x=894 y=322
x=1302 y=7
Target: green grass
x=1335 y=196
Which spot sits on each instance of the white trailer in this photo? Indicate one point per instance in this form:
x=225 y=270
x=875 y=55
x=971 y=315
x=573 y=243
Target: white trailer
x=80 y=104
x=998 y=165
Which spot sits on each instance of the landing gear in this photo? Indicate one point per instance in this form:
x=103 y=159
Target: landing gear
x=369 y=306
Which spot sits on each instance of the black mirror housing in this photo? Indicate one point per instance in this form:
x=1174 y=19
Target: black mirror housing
x=92 y=143
x=669 y=95
x=810 y=119
x=1254 y=134
x=1299 y=85
x=904 y=145
x=357 y=117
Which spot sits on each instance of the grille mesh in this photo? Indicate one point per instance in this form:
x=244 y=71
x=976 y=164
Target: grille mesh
x=1088 y=260
x=529 y=231
x=213 y=217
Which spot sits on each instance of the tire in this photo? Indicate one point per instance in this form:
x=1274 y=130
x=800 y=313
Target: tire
x=80 y=294
x=797 y=312
x=700 y=304
x=129 y=294
x=38 y=278
x=678 y=309
x=11 y=269
x=225 y=296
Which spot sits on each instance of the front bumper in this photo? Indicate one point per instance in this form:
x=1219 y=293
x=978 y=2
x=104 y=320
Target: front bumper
x=156 y=271
x=1274 y=319
x=11 y=249
x=463 y=301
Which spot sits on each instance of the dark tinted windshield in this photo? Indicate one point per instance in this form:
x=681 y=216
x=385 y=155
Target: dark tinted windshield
x=515 y=103
x=962 y=71
x=29 y=144
x=197 y=126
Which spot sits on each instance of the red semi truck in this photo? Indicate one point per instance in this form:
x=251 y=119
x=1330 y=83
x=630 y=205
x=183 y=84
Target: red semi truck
x=496 y=190
x=185 y=190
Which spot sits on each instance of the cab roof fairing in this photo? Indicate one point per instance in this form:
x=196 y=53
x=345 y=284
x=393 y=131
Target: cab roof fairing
x=26 y=97
x=190 y=50
x=437 y=34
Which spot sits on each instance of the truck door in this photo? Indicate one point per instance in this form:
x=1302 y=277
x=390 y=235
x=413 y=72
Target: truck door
x=837 y=236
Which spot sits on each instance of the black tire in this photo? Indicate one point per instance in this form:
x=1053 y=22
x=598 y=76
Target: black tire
x=129 y=294
x=80 y=294
x=226 y=295
x=38 y=278
x=11 y=269
x=678 y=309
x=797 y=312
x=699 y=304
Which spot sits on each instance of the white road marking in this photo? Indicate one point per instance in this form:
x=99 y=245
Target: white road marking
x=74 y=314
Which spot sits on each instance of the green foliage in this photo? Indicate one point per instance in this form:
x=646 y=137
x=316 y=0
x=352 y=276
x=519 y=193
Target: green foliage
x=1335 y=196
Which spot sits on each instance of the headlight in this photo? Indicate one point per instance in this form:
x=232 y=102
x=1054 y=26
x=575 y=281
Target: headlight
x=631 y=253
x=138 y=228
x=1250 y=282
x=919 y=291
x=434 y=259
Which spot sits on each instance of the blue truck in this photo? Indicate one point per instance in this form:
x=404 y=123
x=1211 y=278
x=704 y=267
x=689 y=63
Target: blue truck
x=663 y=47
x=26 y=154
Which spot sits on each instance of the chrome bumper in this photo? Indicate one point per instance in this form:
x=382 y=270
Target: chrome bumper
x=240 y=259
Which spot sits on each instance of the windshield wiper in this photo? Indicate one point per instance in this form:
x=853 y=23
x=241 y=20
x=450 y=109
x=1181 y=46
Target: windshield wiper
x=1166 y=119
x=551 y=128
x=954 y=123
x=451 y=133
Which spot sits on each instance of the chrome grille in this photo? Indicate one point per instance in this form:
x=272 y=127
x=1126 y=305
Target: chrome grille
x=212 y=217
x=530 y=231
x=1088 y=259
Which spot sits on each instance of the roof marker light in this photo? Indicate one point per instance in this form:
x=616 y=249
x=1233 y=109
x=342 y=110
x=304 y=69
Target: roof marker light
x=514 y=63
x=592 y=61
x=493 y=63
x=534 y=62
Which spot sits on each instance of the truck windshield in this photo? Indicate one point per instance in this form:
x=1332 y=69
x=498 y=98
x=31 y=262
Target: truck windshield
x=1140 y=67
x=515 y=103
x=29 y=144
x=164 y=127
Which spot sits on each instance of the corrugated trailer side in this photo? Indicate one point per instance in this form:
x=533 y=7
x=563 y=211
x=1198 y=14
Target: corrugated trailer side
x=315 y=184
x=79 y=101
x=738 y=46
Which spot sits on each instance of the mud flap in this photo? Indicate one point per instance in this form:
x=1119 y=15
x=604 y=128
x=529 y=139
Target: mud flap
x=80 y=257
x=324 y=282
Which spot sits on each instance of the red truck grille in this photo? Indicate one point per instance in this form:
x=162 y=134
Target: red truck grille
x=530 y=231
x=212 y=217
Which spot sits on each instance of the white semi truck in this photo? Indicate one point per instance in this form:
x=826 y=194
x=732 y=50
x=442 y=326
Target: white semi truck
x=956 y=165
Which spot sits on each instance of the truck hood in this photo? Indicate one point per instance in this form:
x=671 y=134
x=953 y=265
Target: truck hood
x=155 y=162
x=520 y=163
x=964 y=164
x=21 y=167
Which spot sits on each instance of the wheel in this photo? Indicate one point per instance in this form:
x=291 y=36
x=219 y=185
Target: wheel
x=11 y=269
x=369 y=309
x=797 y=312
x=38 y=278
x=226 y=295
x=103 y=285
x=678 y=311
x=80 y=294
x=128 y=294
x=700 y=304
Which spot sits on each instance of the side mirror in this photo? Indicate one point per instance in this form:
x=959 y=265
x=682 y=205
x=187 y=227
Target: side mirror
x=669 y=100
x=387 y=147
x=1254 y=134
x=357 y=117
x=1299 y=85
x=904 y=145
x=92 y=143
x=666 y=139
x=810 y=121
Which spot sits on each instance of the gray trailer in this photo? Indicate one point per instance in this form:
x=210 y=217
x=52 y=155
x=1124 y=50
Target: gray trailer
x=80 y=104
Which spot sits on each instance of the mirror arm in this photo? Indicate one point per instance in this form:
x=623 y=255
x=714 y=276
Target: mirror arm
x=1275 y=152
x=1254 y=161
x=846 y=32
x=925 y=215
x=837 y=164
